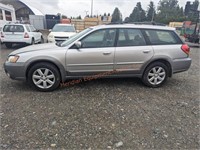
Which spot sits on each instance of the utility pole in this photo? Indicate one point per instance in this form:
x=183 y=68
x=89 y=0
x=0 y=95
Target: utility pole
x=91 y=8
x=152 y=19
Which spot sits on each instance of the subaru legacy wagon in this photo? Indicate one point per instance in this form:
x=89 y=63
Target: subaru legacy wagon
x=152 y=53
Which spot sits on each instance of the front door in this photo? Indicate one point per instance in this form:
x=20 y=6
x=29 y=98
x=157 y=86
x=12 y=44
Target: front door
x=96 y=54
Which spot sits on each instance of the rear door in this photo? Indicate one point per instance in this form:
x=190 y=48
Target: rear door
x=12 y=32
x=132 y=51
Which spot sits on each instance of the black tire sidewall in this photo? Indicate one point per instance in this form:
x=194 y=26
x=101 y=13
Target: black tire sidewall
x=32 y=41
x=145 y=75
x=41 y=40
x=48 y=66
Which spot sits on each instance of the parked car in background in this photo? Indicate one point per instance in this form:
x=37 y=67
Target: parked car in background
x=14 y=33
x=61 y=32
x=152 y=53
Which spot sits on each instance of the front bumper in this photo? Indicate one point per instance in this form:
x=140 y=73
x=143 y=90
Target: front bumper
x=15 y=71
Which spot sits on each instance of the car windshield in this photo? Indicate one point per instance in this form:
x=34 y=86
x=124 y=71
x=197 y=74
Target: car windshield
x=63 y=28
x=75 y=37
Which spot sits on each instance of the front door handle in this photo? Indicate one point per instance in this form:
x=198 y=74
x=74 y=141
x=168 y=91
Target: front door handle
x=146 y=51
x=107 y=53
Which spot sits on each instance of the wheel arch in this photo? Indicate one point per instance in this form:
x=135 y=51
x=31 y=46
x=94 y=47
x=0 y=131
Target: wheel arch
x=162 y=60
x=54 y=62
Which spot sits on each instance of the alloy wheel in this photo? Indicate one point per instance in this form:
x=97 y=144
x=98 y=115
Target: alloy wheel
x=156 y=75
x=43 y=78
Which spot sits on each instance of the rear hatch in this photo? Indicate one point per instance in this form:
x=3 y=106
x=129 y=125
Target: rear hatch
x=13 y=32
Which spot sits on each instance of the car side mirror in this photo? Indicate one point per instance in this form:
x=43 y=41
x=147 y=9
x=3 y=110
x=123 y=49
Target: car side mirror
x=78 y=44
x=49 y=30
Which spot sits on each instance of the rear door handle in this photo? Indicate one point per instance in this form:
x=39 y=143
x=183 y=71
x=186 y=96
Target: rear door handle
x=106 y=53
x=146 y=51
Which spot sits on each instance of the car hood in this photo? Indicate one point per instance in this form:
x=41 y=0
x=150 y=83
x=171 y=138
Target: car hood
x=39 y=47
x=62 y=34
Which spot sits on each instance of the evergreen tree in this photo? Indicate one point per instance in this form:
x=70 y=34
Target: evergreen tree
x=187 y=8
x=116 y=16
x=151 y=12
x=193 y=15
x=169 y=11
x=138 y=14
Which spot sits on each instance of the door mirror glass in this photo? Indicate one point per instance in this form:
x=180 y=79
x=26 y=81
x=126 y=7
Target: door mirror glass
x=78 y=44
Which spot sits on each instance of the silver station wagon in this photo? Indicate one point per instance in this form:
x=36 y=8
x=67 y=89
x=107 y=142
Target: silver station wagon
x=152 y=53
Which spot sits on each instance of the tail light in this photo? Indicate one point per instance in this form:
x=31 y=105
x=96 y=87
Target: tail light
x=185 y=48
x=2 y=36
x=26 y=35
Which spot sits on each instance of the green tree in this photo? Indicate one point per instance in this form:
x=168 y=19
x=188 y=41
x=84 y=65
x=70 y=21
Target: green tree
x=64 y=17
x=79 y=17
x=138 y=14
x=116 y=16
x=151 y=11
x=192 y=14
x=169 y=11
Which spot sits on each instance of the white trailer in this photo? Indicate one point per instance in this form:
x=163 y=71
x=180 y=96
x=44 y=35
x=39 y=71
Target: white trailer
x=7 y=14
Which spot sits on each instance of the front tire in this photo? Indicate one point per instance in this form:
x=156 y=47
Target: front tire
x=155 y=74
x=44 y=77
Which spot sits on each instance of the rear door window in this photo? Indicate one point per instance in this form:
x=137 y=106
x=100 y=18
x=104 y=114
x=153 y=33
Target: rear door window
x=130 y=37
x=160 y=37
x=13 y=28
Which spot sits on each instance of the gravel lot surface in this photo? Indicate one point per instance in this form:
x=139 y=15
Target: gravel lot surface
x=102 y=114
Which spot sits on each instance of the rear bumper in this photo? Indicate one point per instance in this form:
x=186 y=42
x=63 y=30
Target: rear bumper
x=25 y=40
x=180 y=65
x=15 y=71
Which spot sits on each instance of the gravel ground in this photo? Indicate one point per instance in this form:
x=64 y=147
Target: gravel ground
x=102 y=114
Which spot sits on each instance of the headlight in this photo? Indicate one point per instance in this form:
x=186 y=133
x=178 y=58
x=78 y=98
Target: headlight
x=51 y=36
x=13 y=59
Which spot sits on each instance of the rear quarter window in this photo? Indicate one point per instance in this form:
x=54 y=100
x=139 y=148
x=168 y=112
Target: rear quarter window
x=162 y=37
x=13 y=28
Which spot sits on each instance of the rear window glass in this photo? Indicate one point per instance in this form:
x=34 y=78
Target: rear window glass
x=13 y=28
x=130 y=37
x=159 y=37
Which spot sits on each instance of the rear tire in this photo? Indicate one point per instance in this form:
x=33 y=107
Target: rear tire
x=32 y=41
x=8 y=45
x=41 y=40
x=155 y=74
x=44 y=77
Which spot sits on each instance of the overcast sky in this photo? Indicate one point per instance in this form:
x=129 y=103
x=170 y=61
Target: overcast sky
x=79 y=7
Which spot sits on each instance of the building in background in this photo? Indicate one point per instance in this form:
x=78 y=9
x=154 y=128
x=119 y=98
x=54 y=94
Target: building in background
x=26 y=13
x=7 y=14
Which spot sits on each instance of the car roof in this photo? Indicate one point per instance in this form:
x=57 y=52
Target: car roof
x=134 y=26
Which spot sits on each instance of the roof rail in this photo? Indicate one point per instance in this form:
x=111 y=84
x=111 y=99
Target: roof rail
x=148 y=23
x=138 y=23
